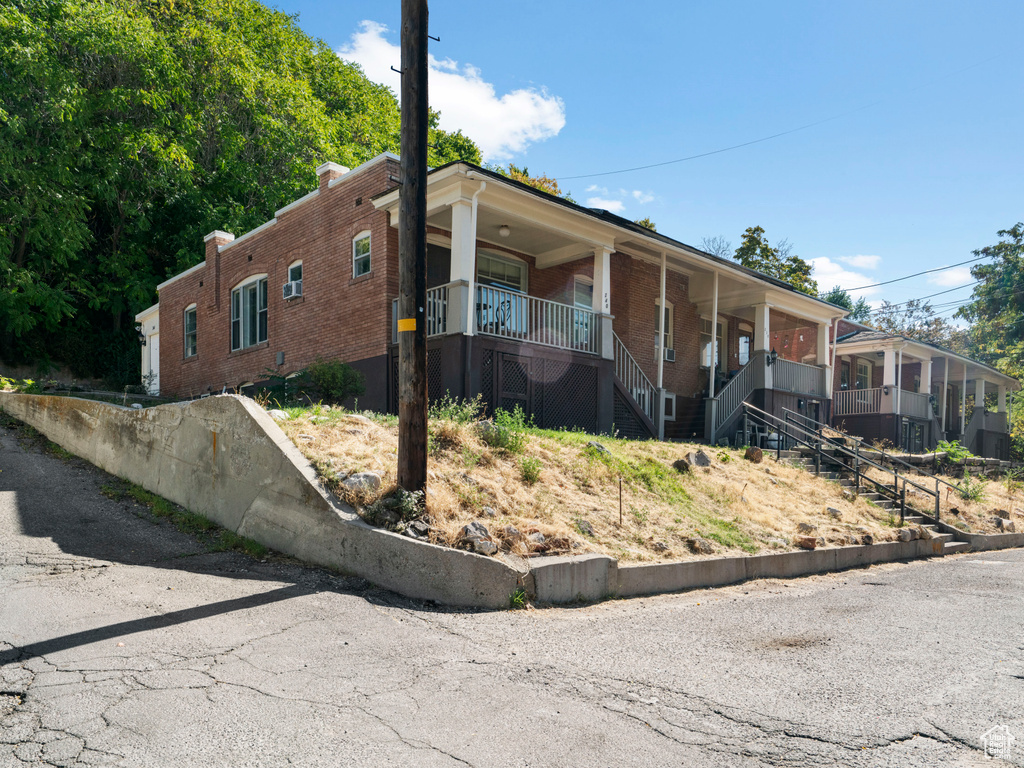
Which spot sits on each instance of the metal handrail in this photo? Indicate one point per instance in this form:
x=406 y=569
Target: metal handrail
x=734 y=393
x=514 y=315
x=772 y=421
x=633 y=378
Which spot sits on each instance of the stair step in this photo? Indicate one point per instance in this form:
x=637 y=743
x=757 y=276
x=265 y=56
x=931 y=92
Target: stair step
x=950 y=547
x=943 y=537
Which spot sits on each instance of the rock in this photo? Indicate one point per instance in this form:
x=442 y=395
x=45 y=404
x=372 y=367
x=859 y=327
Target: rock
x=700 y=546
x=479 y=538
x=767 y=470
x=277 y=415
x=362 y=481
x=851 y=540
x=319 y=419
x=1001 y=513
x=488 y=512
x=848 y=494
x=806 y=528
x=1006 y=526
x=773 y=481
x=584 y=527
x=599 y=448
x=537 y=539
x=867 y=539
x=417 y=529
x=682 y=466
x=925 y=533
x=489 y=432
x=465 y=478
x=954 y=511
x=754 y=454
x=805 y=542
x=835 y=514
x=698 y=459
x=511 y=532
x=306 y=437
x=905 y=534
x=387 y=517
x=659 y=546
x=356 y=418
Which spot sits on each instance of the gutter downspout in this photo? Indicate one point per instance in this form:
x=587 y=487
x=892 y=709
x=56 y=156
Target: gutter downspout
x=661 y=349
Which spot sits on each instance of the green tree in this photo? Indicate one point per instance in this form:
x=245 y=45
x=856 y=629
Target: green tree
x=916 y=319
x=646 y=222
x=542 y=182
x=755 y=252
x=860 y=310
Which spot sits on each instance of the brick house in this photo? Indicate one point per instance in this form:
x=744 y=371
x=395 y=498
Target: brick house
x=579 y=316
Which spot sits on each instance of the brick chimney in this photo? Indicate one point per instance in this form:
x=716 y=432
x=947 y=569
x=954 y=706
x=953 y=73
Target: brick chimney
x=329 y=171
x=213 y=242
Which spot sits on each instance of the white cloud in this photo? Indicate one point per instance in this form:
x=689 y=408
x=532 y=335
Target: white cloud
x=615 y=206
x=829 y=273
x=861 y=262
x=642 y=197
x=951 y=278
x=595 y=188
x=500 y=125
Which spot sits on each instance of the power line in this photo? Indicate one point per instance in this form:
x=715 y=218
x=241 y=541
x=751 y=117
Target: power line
x=917 y=274
x=930 y=295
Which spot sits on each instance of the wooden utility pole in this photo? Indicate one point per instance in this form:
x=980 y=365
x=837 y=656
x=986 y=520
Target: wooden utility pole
x=412 y=253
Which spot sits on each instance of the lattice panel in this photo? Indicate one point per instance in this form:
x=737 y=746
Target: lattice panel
x=487 y=378
x=626 y=423
x=394 y=384
x=570 y=396
x=435 y=387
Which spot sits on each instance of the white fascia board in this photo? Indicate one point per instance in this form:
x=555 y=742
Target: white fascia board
x=180 y=275
x=247 y=235
x=147 y=312
x=296 y=203
x=923 y=351
x=360 y=168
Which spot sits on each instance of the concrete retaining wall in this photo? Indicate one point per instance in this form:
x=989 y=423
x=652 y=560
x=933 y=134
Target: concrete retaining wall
x=226 y=459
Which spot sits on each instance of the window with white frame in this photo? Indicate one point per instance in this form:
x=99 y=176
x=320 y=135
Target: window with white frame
x=501 y=272
x=191 y=348
x=864 y=372
x=705 y=344
x=582 y=299
x=664 y=334
x=670 y=406
x=361 y=254
x=249 y=313
x=746 y=343
x=295 y=272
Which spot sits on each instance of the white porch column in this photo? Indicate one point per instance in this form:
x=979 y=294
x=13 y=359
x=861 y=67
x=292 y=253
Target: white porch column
x=762 y=329
x=979 y=393
x=1001 y=407
x=603 y=299
x=659 y=351
x=822 y=356
x=945 y=392
x=963 y=403
x=463 y=262
x=714 y=337
x=926 y=376
x=889 y=368
x=899 y=383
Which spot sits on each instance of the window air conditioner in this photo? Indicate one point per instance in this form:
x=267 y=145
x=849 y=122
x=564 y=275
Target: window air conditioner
x=670 y=355
x=292 y=290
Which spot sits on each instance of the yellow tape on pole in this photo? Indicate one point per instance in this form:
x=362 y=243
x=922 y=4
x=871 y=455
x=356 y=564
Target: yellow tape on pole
x=407 y=324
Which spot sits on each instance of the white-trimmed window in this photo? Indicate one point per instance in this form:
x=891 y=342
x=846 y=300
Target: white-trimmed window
x=191 y=348
x=746 y=343
x=295 y=272
x=705 y=344
x=502 y=272
x=864 y=371
x=670 y=406
x=664 y=334
x=249 y=313
x=361 y=254
x=583 y=292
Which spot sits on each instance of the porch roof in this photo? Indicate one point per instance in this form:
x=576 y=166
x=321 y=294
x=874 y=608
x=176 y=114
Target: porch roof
x=872 y=340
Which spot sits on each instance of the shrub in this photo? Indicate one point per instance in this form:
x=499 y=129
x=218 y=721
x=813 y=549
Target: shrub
x=971 y=488
x=509 y=431
x=335 y=380
x=448 y=408
x=953 y=450
x=529 y=469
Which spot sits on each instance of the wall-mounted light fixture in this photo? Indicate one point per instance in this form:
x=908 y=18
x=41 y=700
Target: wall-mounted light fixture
x=142 y=336
x=504 y=230
x=885 y=390
x=770 y=358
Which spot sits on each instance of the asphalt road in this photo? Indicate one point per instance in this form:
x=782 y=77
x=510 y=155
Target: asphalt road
x=125 y=642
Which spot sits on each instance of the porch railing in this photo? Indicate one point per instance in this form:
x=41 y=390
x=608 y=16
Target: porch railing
x=853 y=402
x=634 y=380
x=741 y=386
x=788 y=376
x=916 y=405
x=436 y=313
x=512 y=315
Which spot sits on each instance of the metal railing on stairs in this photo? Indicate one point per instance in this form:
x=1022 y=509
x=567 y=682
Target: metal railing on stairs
x=796 y=429
x=732 y=396
x=632 y=377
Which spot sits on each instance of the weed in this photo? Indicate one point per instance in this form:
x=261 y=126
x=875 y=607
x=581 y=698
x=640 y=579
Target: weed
x=401 y=506
x=517 y=600
x=55 y=450
x=470 y=457
x=442 y=435
x=448 y=408
x=508 y=432
x=639 y=515
x=231 y=541
x=724 y=457
x=529 y=469
x=335 y=380
x=953 y=450
x=971 y=488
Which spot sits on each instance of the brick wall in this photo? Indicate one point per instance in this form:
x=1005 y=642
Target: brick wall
x=337 y=316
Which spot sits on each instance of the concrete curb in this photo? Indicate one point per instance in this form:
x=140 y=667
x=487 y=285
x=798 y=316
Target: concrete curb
x=225 y=458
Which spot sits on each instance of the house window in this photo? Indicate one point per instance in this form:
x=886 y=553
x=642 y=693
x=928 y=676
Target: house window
x=295 y=272
x=499 y=272
x=670 y=406
x=249 y=313
x=705 y=344
x=361 y=254
x=863 y=374
x=191 y=348
x=582 y=299
x=746 y=343
x=664 y=325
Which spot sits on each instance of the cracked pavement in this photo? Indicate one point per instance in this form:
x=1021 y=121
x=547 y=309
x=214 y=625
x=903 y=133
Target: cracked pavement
x=123 y=642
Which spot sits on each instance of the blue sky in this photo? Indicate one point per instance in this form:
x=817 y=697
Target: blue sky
x=919 y=159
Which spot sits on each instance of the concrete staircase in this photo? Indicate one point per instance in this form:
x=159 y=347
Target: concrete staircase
x=832 y=471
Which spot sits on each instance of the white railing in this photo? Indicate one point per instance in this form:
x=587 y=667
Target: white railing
x=437 y=313
x=788 y=376
x=633 y=379
x=853 y=402
x=730 y=397
x=512 y=315
x=916 y=405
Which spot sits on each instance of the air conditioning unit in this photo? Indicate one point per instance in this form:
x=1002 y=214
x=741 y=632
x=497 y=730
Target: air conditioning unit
x=292 y=290
x=670 y=355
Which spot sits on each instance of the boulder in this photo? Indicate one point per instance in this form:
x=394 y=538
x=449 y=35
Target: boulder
x=1001 y=513
x=954 y=511
x=277 y=414
x=537 y=541
x=806 y=529
x=362 y=481
x=479 y=538
x=488 y=512
x=1006 y=526
x=867 y=539
x=659 y=546
x=905 y=534
x=700 y=546
x=418 y=529
x=355 y=417
x=754 y=454
x=805 y=542
x=584 y=527
x=835 y=514
x=682 y=466
x=511 y=532
x=698 y=459
x=598 y=447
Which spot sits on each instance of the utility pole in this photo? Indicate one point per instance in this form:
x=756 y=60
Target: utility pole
x=412 y=253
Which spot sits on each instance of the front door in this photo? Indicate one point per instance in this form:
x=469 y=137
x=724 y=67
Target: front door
x=154 y=363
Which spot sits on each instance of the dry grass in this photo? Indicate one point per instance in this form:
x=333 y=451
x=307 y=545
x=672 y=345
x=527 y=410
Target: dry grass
x=736 y=505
